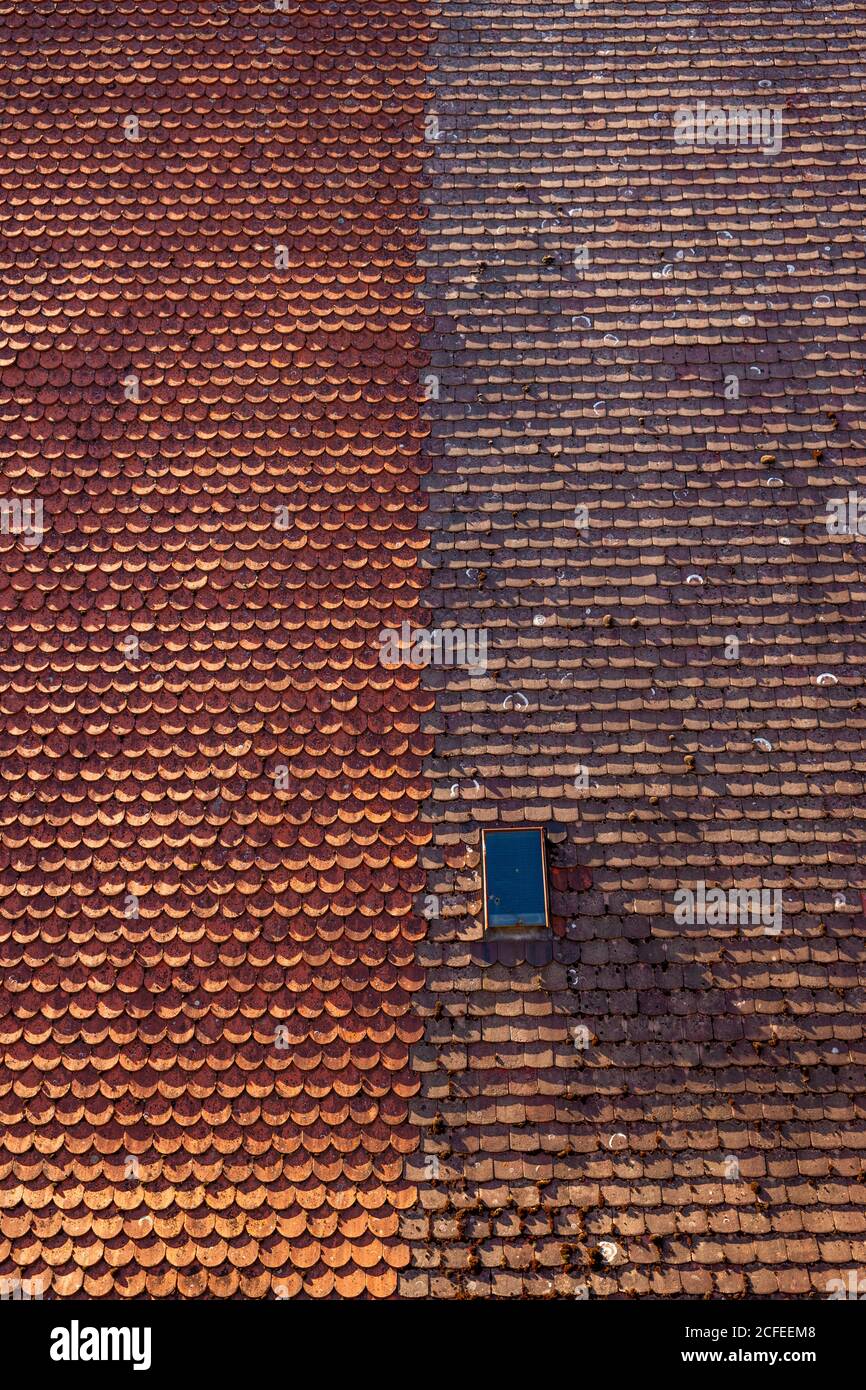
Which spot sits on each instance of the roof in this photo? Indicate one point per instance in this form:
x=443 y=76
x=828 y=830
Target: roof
x=210 y=833
x=254 y=1046
x=664 y=1109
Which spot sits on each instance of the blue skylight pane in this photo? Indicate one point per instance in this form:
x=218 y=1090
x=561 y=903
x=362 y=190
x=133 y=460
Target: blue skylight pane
x=514 y=870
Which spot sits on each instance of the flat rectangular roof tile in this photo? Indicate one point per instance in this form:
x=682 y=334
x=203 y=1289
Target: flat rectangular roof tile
x=602 y=384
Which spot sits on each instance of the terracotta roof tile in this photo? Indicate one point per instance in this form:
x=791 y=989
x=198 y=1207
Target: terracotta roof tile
x=170 y=379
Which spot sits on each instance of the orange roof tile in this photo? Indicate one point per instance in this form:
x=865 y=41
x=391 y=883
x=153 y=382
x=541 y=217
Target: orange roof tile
x=208 y=377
